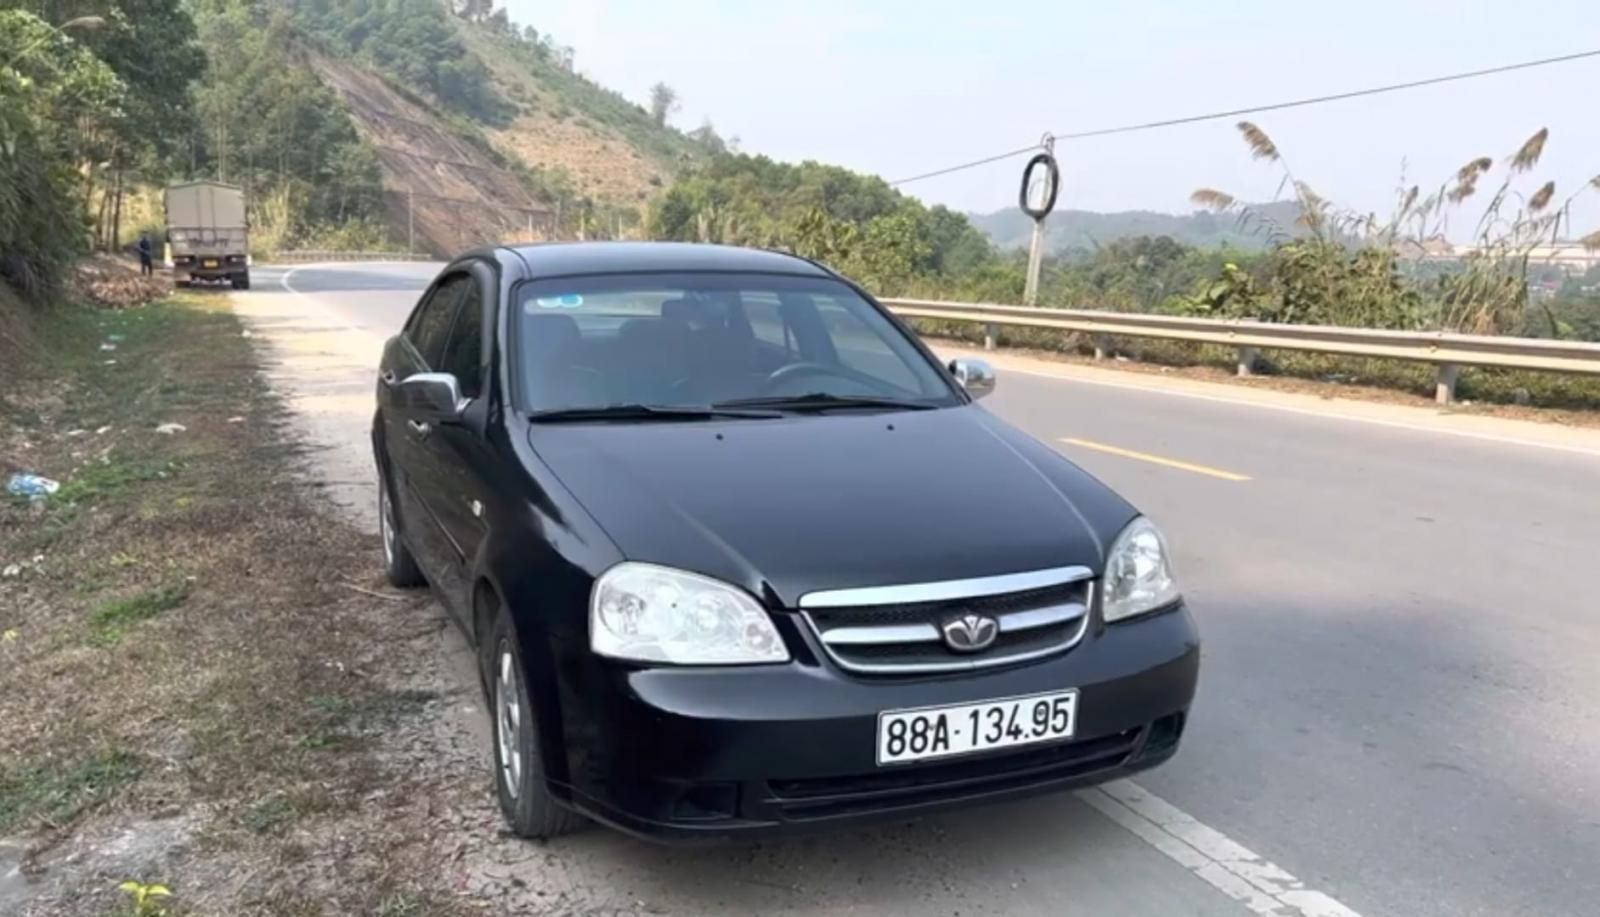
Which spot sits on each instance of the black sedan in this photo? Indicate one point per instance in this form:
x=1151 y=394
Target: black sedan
x=739 y=555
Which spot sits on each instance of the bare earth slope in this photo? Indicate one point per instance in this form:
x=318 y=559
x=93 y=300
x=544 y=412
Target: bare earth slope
x=610 y=148
x=457 y=195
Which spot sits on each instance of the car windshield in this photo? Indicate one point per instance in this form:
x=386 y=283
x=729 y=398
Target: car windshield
x=680 y=340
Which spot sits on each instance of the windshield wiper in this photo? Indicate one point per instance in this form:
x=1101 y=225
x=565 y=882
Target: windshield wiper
x=633 y=411
x=822 y=401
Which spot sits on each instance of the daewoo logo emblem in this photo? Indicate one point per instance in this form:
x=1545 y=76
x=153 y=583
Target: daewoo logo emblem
x=970 y=633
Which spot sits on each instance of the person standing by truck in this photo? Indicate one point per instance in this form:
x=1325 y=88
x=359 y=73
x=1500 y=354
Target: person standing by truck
x=146 y=248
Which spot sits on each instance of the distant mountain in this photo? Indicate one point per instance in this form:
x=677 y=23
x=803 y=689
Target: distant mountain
x=1085 y=229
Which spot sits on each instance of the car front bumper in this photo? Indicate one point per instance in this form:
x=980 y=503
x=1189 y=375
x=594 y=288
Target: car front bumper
x=702 y=753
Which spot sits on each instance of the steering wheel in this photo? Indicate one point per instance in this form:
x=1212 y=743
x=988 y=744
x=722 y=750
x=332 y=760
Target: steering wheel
x=806 y=370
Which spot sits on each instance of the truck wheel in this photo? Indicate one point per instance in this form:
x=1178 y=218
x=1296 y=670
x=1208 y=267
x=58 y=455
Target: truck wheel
x=241 y=281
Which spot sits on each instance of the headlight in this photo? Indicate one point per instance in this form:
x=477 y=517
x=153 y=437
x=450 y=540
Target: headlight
x=1138 y=576
x=647 y=613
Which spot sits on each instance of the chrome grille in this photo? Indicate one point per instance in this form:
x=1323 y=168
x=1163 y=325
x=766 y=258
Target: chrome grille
x=896 y=629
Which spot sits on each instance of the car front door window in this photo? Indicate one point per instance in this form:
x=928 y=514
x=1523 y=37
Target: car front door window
x=463 y=355
x=429 y=329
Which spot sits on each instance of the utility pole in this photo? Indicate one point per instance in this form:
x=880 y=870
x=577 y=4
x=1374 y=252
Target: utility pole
x=1038 y=207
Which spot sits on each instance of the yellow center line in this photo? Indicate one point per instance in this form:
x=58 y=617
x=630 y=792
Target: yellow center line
x=1157 y=460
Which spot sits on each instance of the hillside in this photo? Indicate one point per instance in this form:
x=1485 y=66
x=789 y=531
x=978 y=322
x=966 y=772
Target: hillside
x=609 y=148
x=481 y=129
x=1086 y=229
x=450 y=192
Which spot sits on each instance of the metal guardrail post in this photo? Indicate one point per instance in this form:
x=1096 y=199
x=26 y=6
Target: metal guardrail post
x=1444 y=391
x=1102 y=347
x=1247 y=360
x=991 y=334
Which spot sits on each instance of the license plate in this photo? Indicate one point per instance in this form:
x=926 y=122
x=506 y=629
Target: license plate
x=939 y=732
x=212 y=263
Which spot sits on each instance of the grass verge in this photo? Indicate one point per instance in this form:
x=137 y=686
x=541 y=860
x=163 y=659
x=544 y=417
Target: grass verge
x=191 y=694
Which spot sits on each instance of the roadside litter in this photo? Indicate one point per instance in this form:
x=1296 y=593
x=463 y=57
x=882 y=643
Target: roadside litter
x=32 y=486
x=171 y=428
x=13 y=570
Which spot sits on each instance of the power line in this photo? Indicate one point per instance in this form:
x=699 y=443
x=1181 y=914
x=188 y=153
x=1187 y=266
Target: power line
x=1275 y=106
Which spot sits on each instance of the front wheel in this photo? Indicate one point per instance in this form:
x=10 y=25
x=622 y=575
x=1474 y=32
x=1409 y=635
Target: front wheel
x=525 y=801
x=398 y=564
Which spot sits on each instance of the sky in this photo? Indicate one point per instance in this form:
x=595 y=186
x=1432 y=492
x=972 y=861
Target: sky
x=900 y=88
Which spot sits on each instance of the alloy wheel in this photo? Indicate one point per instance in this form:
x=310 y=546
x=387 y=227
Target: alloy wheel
x=386 y=522
x=509 y=719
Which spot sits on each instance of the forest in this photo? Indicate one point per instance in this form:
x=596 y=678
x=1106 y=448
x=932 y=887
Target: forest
x=104 y=101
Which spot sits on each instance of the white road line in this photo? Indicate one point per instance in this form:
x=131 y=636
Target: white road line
x=1311 y=412
x=1217 y=860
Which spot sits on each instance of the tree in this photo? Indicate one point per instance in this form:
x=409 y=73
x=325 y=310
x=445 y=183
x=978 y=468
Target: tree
x=55 y=95
x=150 y=47
x=856 y=223
x=473 y=10
x=663 y=103
x=268 y=123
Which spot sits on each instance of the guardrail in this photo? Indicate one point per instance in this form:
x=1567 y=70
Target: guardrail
x=308 y=257
x=1449 y=352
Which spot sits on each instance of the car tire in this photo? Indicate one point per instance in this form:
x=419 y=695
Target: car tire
x=398 y=565
x=525 y=801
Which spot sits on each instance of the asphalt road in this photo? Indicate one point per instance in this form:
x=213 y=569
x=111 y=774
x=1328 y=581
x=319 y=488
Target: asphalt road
x=1398 y=701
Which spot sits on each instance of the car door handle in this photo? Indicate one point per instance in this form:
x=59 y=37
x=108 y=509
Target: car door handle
x=420 y=427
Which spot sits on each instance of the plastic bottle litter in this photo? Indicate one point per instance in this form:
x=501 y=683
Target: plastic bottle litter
x=32 y=486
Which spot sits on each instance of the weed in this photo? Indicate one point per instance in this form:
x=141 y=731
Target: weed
x=107 y=479
x=111 y=619
x=146 y=898
x=399 y=906
x=268 y=815
x=56 y=792
x=322 y=741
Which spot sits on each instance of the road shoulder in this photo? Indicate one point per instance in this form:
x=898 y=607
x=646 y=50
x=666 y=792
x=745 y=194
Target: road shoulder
x=205 y=685
x=1581 y=440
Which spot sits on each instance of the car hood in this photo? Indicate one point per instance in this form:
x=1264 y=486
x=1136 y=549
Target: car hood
x=810 y=502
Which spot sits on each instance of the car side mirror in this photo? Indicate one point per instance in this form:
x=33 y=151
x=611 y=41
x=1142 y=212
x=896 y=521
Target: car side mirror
x=434 y=397
x=976 y=376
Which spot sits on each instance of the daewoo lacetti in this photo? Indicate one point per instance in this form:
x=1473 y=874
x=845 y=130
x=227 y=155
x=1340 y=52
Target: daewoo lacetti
x=738 y=555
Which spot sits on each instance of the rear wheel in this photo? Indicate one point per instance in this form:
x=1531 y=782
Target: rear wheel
x=398 y=564
x=241 y=281
x=525 y=801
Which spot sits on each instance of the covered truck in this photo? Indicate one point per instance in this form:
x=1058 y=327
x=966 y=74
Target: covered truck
x=208 y=233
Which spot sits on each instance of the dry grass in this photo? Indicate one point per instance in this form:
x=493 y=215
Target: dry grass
x=183 y=660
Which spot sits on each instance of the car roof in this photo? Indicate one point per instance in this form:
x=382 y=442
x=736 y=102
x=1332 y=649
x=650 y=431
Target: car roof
x=558 y=259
